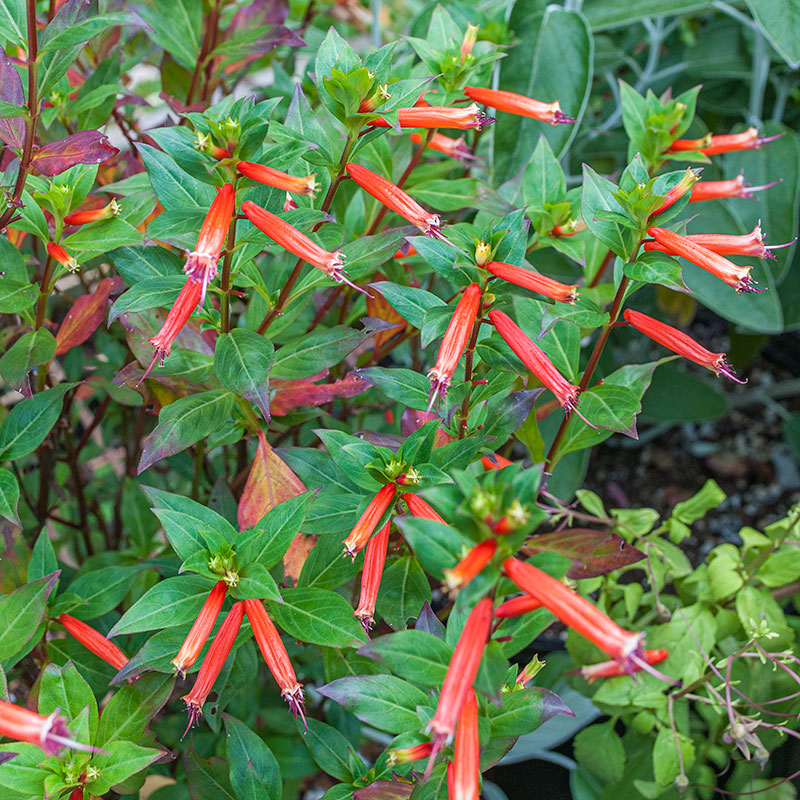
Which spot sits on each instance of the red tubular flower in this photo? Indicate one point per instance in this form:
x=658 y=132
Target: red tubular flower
x=376 y=99
x=61 y=256
x=464 y=772
x=460 y=675
x=528 y=279
x=94 y=215
x=50 y=733
x=714 y=145
x=537 y=362
x=297 y=243
x=576 y=612
x=374 y=559
x=201 y=265
x=272 y=648
x=204 y=144
x=517 y=607
x=186 y=302
x=748 y=244
x=685 y=184
x=498 y=463
x=569 y=229
x=406 y=754
x=279 y=180
x=454 y=342
x=455 y=148
x=518 y=104
x=611 y=669
x=213 y=663
x=95 y=641
x=719 y=190
x=421 y=508
x=427 y=116
x=680 y=343
x=363 y=529
x=201 y=629
x=470 y=566
x=677 y=245
x=395 y=199
x=470 y=37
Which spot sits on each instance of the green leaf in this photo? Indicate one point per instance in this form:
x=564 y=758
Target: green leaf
x=32 y=348
x=331 y=751
x=779 y=21
x=780 y=568
x=408 y=302
x=176 y=27
x=417 y=656
x=175 y=188
x=256 y=583
x=16 y=296
x=207 y=777
x=81 y=32
x=597 y=195
x=620 y=13
x=184 y=422
x=524 y=711
x=65 y=689
x=325 y=568
x=13 y=21
x=316 y=351
x=170 y=602
x=404 y=590
x=137 y=264
x=247 y=752
x=21 y=611
x=696 y=507
x=383 y=701
x=102 y=590
x=544 y=180
x=22 y=775
x=121 y=760
x=29 y=422
x=9 y=499
x=318 y=616
x=666 y=762
x=447 y=194
x=109 y=233
x=402 y=385
x=242 y=361
x=437 y=546
x=158 y=292
x=600 y=749
x=127 y=713
x=658 y=268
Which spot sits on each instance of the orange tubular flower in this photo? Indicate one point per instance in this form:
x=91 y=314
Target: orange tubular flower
x=374 y=559
x=297 y=243
x=680 y=343
x=714 y=145
x=464 y=772
x=272 y=648
x=470 y=566
x=95 y=215
x=455 y=148
x=363 y=529
x=61 y=256
x=454 y=342
x=569 y=229
x=719 y=190
x=201 y=265
x=685 y=184
x=50 y=733
x=611 y=669
x=519 y=104
x=278 y=179
x=460 y=675
x=95 y=641
x=578 y=613
x=498 y=463
x=421 y=508
x=732 y=274
x=406 y=754
x=186 y=302
x=213 y=663
x=470 y=37
x=517 y=607
x=528 y=279
x=200 y=630
x=427 y=116
x=537 y=362
x=748 y=244
x=395 y=199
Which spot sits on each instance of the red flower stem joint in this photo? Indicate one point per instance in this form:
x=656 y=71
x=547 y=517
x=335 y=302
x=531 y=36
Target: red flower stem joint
x=272 y=648
x=374 y=559
x=467 y=118
x=680 y=343
x=528 y=279
x=213 y=663
x=395 y=199
x=297 y=243
x=538 y=363
x=200 y=630
x=460 y=676
x=454 y=342
x=464 y=771
x=519 y=104
x=50 y=732
x=363 y=529
x=277 y=179
x=676 y=245
x=94 y=641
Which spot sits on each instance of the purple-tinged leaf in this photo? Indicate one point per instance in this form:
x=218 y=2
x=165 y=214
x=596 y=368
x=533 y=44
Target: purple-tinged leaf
x=592 y=553
x=385 y=790
x=7 y=757
x=84 y=147
x=552 y=704
x=259 y=12
x=523 y=711
x=429 y=622
x=12 y=129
